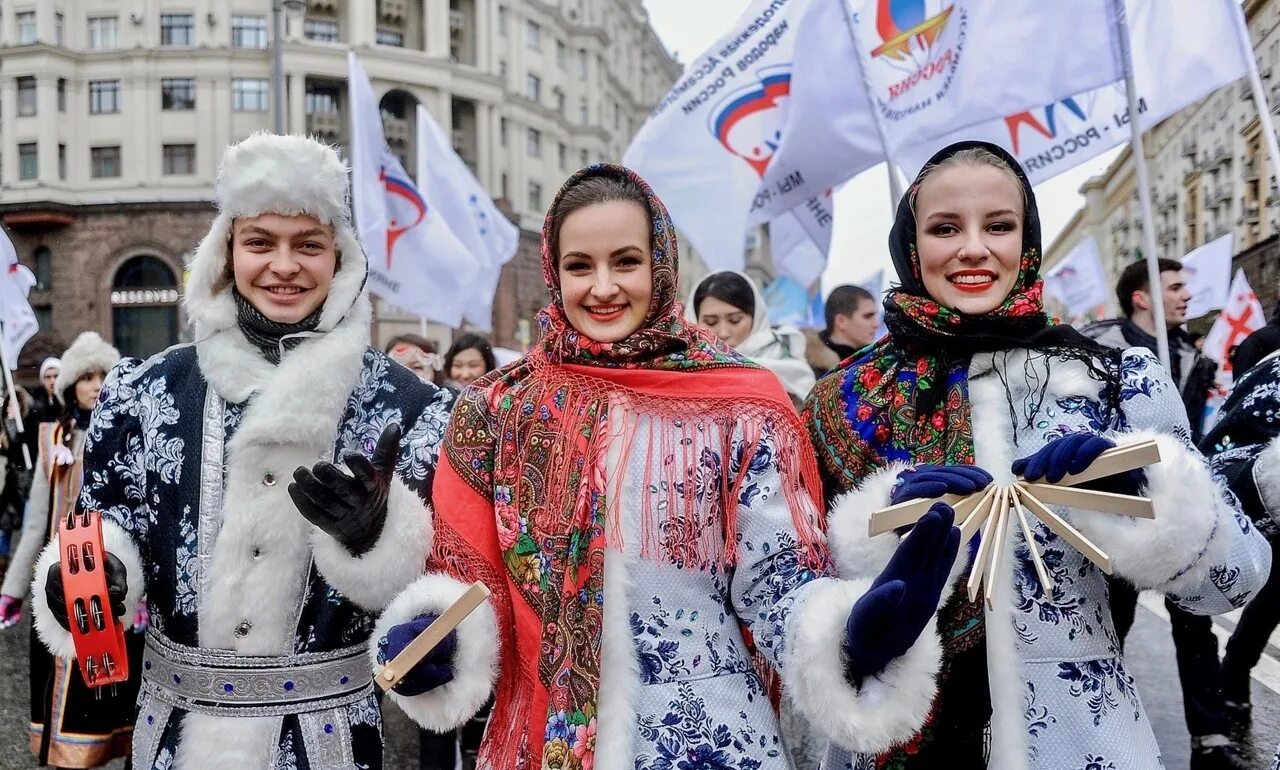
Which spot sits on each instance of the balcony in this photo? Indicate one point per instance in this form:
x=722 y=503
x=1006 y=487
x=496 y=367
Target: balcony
x=1167 y=234
x=326 y=125
x=1249 y=170
x=1189 y=147
x=393 y=11
x=323 y=6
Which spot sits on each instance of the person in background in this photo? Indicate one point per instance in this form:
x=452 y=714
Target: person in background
x=71 y=725
x=731 y=305
x=18 y=449
x=852 y=316
x=469 y=358
x=1193 y=374
x=1244 y=447
x=418 y=354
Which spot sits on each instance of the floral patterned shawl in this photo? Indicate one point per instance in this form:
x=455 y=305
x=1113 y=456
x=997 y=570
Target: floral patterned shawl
x=524 y=499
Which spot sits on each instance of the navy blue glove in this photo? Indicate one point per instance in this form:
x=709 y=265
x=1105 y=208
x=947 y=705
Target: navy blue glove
x=1072 y=454
x=890 y=617
x=925 y=482
x=434 y=670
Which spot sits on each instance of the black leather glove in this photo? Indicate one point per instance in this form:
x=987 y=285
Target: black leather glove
x=350 y=508
x=117 y=588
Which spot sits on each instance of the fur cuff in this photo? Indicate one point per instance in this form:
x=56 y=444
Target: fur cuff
x=1266 y=477
x=856 y=554
x=118 y=543
x=373 y=579
x=1180 y=543
x=475 y=661
x=889 y=708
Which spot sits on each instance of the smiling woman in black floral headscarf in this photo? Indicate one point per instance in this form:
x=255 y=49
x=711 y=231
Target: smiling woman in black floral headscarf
x=973 y=383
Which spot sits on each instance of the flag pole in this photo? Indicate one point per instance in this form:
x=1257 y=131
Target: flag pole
x=1144 y=185
x=895 y=183
x=1265 y=123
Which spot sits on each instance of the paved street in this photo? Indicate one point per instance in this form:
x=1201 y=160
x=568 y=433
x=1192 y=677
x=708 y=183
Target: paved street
x=1151 y=662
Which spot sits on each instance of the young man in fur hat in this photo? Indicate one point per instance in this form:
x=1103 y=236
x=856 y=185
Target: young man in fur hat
x=264 y=594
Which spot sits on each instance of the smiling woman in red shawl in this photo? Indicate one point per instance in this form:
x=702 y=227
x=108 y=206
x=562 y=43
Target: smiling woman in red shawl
x=634 y=494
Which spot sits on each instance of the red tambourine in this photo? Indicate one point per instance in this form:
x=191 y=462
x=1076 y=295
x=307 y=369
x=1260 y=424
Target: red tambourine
x=97 y=634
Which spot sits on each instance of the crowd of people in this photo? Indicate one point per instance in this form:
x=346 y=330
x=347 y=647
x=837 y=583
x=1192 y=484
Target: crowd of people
x=668 y=503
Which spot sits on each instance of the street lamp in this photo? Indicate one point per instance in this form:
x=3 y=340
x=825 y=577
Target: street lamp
x=278 y=10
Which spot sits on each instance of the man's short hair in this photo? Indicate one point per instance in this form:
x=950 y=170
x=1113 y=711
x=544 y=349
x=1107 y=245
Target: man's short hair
x=1134 y=278
x=844 y=300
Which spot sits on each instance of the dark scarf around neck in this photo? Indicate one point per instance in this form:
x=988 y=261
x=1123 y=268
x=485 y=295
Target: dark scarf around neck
x=265 y=334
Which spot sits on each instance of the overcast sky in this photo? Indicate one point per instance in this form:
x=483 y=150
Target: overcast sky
x=859 y=244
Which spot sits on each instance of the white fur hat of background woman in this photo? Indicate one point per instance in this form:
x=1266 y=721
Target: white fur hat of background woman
x=49 y=363
x=274 y=174
x=89 y=353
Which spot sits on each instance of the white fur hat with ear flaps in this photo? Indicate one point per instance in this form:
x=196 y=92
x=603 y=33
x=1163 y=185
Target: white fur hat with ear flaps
x=89 y=353
x=274 y=174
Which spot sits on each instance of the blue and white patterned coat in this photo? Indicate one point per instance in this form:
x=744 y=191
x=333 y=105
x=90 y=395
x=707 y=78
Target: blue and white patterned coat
x=1061 y=696
x=189 y=458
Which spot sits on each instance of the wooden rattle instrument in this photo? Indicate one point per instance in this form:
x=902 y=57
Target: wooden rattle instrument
x=97 y=634
x=391 y=674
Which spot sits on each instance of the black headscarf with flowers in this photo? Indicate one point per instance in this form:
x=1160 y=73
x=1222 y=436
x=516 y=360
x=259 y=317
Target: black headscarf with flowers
x=907 y=397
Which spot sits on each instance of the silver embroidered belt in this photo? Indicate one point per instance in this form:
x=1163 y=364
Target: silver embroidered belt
x=224 y=683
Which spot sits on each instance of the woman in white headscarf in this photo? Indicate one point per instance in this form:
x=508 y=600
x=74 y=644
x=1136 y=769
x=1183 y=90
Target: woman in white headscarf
x=730 y=304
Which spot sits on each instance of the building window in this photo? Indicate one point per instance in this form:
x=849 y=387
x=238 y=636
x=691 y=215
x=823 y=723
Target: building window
x=502 y=132
x=535 y=196
x=582 y=158
x=26 y=96
x=502 y=69
x=535 y=143
x=144 y=307
x=321 y=99
x=104 y=32
x=558 y=94
x=104 y=162
x=533 y=35
x=321 y=30
x=104 y=96
x=248 y=95
x=28 y=161
x=26 y=21
x=179 y=159
x=562 y=55
x=563 y=156
x=582 y=64
x=391 y=37
x=62 y=162
x=503 y=185
x=582 y=110
x=62 y=94
x=59 y=23
x=44 y=268
x=502 y=20
x=177 y=93
x=177 y=29
x=533 y=88
x=248 y=31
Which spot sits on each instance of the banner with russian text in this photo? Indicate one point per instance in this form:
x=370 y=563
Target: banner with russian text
x=1078 y=280
x=1182 y=50
x=1207 y=270
x=922 y=68
x=711 y=138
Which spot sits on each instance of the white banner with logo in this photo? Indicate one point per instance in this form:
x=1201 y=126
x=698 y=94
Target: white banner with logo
x=1241 y=317
x=415 y=261
x=922 y=68
x=1182 y=50
x=707 y=144
x=19 y=319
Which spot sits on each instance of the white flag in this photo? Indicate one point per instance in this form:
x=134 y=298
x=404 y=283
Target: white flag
x=16 y=314
x=923 y=67
x=1241 y=317
x=415 y=261
x=706 y=146
x=795 y=255
x=467 y=207
x=1079 y=281
x=1208 y=273
x=1182 y=50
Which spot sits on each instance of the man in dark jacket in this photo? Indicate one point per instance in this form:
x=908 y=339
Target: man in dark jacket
x=1193 y=639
